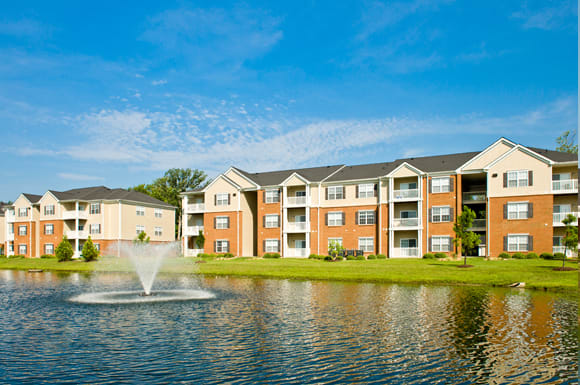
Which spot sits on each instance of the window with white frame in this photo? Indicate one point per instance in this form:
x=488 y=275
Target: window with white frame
x=158 y=231
x=95 y=228
x=408 y=243
x=406 y=214
x=98 y=246
x=158 y=213
x=441 y=214
x=517 y=178
x=23 y=212
x=222 y=222
x=273 y=196
x=366 y=244
x=439 y=185
x=271 y=221
x=557 y=240
x=48 y=248
x=518 y=242
x=332 y=241
x=440 y=244
x=49 y=210
x=518 y=210
x=11 y=247
x=48 y=229
x=222 y=246
x=366 y=190
x=21 y=230
x=335 y=192
x=335 y=218
x=366 y=217
x=222 y=199
x=95 y=208
x=272 y=246
x=140 y=210
x=22 y=249
x=140 y=229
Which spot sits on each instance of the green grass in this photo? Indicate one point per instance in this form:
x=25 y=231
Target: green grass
x=536 y=273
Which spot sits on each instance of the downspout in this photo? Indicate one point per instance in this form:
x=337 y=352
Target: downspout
x=318 y=220
x=380 y=224
x=427 y=216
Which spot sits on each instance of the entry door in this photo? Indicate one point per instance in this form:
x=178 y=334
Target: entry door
x=408 y=243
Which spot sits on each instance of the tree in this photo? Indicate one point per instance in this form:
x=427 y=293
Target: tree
x=570 y=239
x=141 y=239
x=64 y=251
x=200 y=240
x=567 y=142
x=464 y=238
x=335 y=249
x=90 y=252
x=170 y=185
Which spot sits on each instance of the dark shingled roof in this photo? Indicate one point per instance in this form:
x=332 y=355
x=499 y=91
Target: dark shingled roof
x=556 y=156
x=363 y=171
x=313 y=174
x=33 y=198
x=102 y=192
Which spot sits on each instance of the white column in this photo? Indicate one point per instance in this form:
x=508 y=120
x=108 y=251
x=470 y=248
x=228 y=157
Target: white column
x=184 y=221
x=77 y=229
x=284 y=245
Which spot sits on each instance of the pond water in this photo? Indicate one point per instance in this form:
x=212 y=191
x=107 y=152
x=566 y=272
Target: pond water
x=278 y=331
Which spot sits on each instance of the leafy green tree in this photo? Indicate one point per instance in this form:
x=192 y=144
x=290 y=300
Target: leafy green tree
x=567 y=142
x=200 y=240
x=141 y=239
x=571 y=235
x=464 y=238
x=335 y=249
x=64 y=251
x=90 y=252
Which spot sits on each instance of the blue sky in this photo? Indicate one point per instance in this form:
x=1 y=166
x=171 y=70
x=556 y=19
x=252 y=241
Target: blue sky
x=102 y=93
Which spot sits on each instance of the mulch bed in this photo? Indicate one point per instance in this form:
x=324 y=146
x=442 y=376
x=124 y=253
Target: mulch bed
x=564 y=268
x=464 y=266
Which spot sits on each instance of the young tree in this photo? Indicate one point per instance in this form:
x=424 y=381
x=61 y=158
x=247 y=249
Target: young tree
x=464 y=238
x=200 y=240
x=64 y=251
x=335 y=249
x=141 y=239
x=90 y=252
x=571 y=238
x=567 y=142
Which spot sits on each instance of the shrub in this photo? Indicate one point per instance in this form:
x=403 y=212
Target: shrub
x=519 y=256
x=313 y=256
x=328 y=258
x=440 y=255
x=64 y=251
x=531 y=255
x=428 y=256
x=2 y=256
x=202 y=255
x=350 y=257
x=547 y=256
x=90 y=252
x=47 y=256
x=504 y=256
x=381 y=256
x=228 y=255
x=372 y=256
x=559 y=256
x=360 y=258
x=339 y=258
x=271 y=255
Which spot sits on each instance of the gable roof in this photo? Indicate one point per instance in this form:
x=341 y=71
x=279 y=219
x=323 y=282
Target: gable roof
x=32 y=198
x=273 y=178
x=556 y=156
x=105 y=193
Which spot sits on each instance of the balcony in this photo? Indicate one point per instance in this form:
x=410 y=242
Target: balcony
x=73 y=214
x=405 y=222
x=193 y=252
x=565 y=186
x=474 y=197
x=10 y=237
x=560 y=249
x=297 y=227
x=195 y=208
x=405 y=252
x=193 y=230
x=478 y=225
x=296 y=201
x=408 y=194
x=80 y=234
x=10 y=217
x=559 y=217
x=296 y=253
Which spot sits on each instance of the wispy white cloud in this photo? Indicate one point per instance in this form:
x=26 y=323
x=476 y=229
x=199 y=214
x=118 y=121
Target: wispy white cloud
x=556 y=15
x=25 y=28
x=79 y=177
x=158 y=82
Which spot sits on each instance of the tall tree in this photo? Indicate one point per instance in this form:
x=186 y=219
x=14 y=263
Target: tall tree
x=464 y=238
x=571 y=236
x=567 y=142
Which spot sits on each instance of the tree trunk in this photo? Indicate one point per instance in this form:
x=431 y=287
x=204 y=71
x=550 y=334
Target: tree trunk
x=179 y=224
x=564 y=257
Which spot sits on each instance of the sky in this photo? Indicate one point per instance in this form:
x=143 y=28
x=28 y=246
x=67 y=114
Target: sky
x=115 y=93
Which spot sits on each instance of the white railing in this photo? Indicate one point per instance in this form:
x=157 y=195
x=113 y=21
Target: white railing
x=406 y=194
x=81 y=234
x=195 y=207
x=296 y=201
x=193 y=230
x=559 y=217
x=478 y=224
x=292 y=252
x=560 y=249
x=297 y=226
x=474 y=197
x=10 y=237
x=567 y=185
x=193 y=252
x=405 y=222
x=405 y=252
x=73 y=214
x=9 y=215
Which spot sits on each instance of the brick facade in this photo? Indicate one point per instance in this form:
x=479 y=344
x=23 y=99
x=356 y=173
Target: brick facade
x=350 y=231
x=264 y=233
x=231 y=234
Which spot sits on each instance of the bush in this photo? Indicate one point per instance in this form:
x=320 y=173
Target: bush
x=328 y=258
x=559 y=256
x=360 y=258
x=372 y=256
x=17 y=256
x=428 y=256
x=228 y=255
x=519 y=256
x=381 y=256
x=271 y=255
x=350 y=258
x=64 y=251
x=90 y=252
x=531 y=255
x=3 y=256
x=202 y=255
x=47 y=256
x=547 y=256
x=504 y=256
x=440 y=255
x=339 y=258
x=313 y=256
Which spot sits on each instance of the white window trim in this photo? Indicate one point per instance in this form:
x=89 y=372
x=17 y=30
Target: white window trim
x=366 y=247
x=336 y=239
x=158 y=231
x=517 y=180
x=366 y=216
x=51 y=246
x=221 y=199
x=335 y=212
x=224 y=222
x=158 y=213
x=437 y=239
x=366 y=190
x=51 y=212
x=440 y=215
x=96 y=226
x=334 y=191
x=20 y=249
x=96 y=210
x=220 y=247
x=517 y=211
x=440 y=185
x=269 y=225
x=272 y=196
x=25 y=230
x=140 y=211
x=272 y=249
x=46 y=227
x=139 y=229
x=407 y=239
x=518 y=249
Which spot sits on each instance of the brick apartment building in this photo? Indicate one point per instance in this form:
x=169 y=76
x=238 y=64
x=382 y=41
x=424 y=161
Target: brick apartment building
x=402 y=208
x=35 y=224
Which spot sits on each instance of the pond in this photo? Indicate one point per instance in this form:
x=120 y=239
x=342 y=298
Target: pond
x=280 y=331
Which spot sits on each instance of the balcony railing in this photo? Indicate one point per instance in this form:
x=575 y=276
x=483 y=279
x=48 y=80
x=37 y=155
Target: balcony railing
x=565 y=186
x=193 y=230
x=293 y=252
x=10 y=217
x=195 y=207
x=80 y=234
x=73 y=214
x=193 y=252
x=406 y=194
x=474 y=197
x=477 y=224
x=405 y=222
x=10 y=237
x=297 y=226
x=405 y=252
x=296 y=201
x=560 y=249
x=559 y=217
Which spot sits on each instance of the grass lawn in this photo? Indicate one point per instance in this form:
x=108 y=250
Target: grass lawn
x=536 y=273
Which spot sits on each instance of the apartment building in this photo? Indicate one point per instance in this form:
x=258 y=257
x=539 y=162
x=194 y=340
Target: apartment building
x=36 y=224
x=402 y=208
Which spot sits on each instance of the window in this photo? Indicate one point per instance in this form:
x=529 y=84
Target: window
x=158 y=213
x=21 y=230
x=517 y=242
x=334 y=192
x=440 y=244
x=96 y=208
x=408 y=186
x=366 y=217
x=517 y=210
x=48 y=248
x=49 y=210
x=334 y=240
x=222 y=246
x=140 y=210
x=22 y=249
x=366 y=244
x=366 y=190
x=81 y=207
x=222 y=222
x=408 y=243
x=222 y=199
x=441 y=214
x=81 y=227
x=272 y=246
x=49 y=229
x=439 y=185
x=557 y=240
x=300 y=194
x=518 y=178
x=81 y=245
x=98 y=246
x=158 y=231
x=562 y=176
x=11 y=247
x=271 y=221
x=408 y=214
x=140 y=229
x=95 y=228
x=335 y=218
x=23 y=212
x=272 y=196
